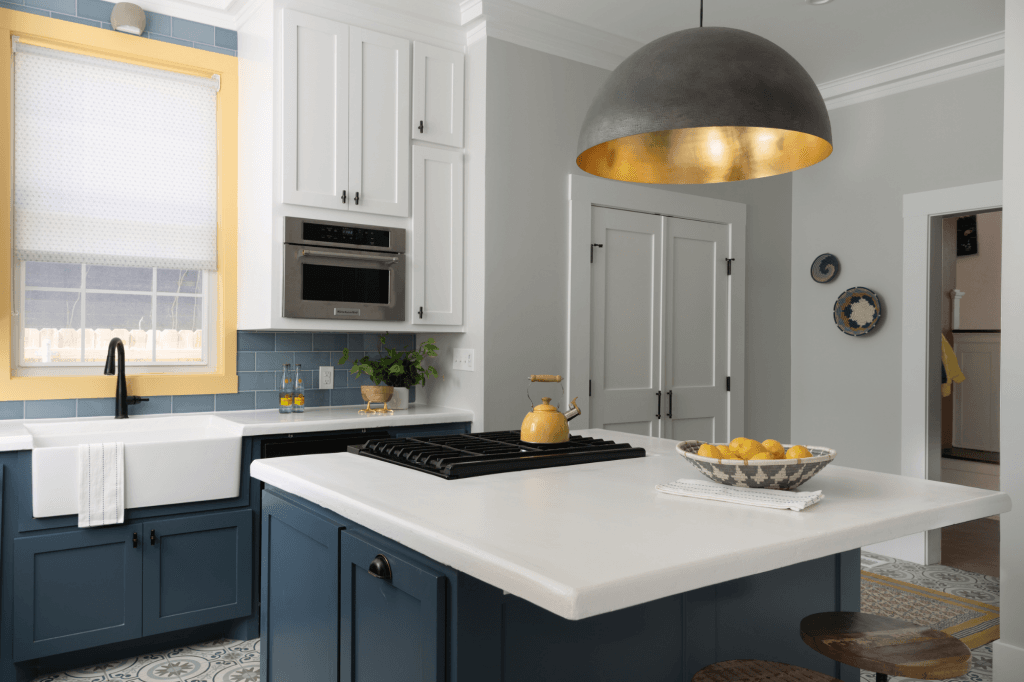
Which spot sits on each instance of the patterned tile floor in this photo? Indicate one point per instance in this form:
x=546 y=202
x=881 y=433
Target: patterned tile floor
x=954 y=581
x=229 y=660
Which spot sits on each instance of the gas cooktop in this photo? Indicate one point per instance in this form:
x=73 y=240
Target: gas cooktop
x=494 y=452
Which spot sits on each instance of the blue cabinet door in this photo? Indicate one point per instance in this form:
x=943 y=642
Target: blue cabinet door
x=76 y=590
x=196 y=570
x=299 y=594
x=392 y=628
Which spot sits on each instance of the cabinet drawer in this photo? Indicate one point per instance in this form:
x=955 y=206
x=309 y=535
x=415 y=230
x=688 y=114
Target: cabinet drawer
x=392 y=627
x=196 y=570
x=76 y=590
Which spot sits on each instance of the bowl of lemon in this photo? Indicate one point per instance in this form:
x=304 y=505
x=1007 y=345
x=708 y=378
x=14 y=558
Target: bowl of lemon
x=747 y=463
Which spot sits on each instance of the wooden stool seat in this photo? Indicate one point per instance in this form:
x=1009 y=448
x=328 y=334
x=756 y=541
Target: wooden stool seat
x=758 y=671
x=886 y=646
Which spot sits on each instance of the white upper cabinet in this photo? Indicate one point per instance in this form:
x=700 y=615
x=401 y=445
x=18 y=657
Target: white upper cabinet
x=437 y=95
x=346 y=117
x=437 y=237
x=378 y=158
x=316 y=119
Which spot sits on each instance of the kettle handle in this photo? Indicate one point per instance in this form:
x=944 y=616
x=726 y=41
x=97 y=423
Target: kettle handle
x=552 y=378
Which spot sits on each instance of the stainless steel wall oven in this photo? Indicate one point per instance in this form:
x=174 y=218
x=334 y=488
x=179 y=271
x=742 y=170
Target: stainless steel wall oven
x=341 y=271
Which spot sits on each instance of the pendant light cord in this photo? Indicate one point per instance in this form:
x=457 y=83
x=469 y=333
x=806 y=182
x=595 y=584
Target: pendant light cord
x=702 y=13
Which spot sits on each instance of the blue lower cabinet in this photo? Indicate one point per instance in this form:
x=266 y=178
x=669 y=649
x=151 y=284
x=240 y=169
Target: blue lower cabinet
x=196 y=570
x=299 y=587
x=76 y=590
x=392 y=616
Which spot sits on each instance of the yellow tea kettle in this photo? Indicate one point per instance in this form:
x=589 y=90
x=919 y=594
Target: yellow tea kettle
x=545 y=424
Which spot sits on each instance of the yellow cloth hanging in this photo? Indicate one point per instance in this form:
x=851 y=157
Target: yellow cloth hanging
x=952 y=367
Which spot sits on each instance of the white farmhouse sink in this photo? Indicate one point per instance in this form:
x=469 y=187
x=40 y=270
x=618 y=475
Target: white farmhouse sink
x=167 y=460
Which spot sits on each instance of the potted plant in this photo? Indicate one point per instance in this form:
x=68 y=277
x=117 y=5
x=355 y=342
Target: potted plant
x=397 y=370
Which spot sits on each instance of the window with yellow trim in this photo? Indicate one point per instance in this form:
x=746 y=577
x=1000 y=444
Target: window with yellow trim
x=123 y=175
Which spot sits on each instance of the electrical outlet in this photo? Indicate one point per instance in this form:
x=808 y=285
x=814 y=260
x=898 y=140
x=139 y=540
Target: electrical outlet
x=462 y=358
x=327 y=377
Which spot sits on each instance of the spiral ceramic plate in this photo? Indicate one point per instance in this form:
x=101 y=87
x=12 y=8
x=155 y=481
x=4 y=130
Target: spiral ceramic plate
x=857 y=311
x=777 y=474
x=825 y=268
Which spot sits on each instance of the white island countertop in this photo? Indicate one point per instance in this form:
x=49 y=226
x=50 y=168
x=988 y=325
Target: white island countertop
x=593 y=538
x=15 y=436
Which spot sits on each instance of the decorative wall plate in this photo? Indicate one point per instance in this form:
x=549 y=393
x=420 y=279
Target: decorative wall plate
x=825 y=268
x=857 y=311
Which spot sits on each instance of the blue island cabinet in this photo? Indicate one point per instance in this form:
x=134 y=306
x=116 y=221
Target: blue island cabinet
x=330 y=613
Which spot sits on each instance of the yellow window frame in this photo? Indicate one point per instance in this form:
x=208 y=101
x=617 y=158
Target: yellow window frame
x=97 y=42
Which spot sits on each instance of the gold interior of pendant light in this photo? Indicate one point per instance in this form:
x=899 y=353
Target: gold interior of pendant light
x=704 y=155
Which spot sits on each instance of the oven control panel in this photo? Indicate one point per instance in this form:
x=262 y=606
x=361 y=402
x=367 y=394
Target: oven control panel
x=345 y=234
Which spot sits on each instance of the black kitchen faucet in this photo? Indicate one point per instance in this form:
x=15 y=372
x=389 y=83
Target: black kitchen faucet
x=121 y=398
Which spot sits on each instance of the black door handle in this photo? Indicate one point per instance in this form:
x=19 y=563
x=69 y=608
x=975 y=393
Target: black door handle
x=135 y=540
x=152 y=537
x=357 y=198
x=380 y=567
x=344 y=197
x=421 y=126
x=658 y=416
x=669 y=415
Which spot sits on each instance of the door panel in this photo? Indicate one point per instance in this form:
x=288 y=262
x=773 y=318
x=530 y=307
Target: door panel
x=391 y=629
x=625 y=318
x=696 y=329
x=437 y=94
x=76 y=590
x=316 y=71
x=437 y=236
x=379 y=140
x=196 y=570
x=976 y=400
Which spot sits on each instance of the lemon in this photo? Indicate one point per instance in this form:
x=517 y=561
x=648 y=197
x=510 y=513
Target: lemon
x=798 y=452
x=726 y=453
x=708 y=450
x=749 y=448
x=775 y=448
x=762 y=455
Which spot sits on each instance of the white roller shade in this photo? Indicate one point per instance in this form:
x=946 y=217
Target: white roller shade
x=114 y=164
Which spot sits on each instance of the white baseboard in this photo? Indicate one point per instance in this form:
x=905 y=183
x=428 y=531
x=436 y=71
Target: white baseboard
x=909 y=548
x=1007 y=661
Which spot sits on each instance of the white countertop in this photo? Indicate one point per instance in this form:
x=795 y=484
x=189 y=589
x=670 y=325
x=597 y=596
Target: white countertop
x=593 y=538
x=14 y=435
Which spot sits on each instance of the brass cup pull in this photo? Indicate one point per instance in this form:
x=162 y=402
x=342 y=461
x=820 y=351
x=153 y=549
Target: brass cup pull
x=552 y=378
x=380 y=567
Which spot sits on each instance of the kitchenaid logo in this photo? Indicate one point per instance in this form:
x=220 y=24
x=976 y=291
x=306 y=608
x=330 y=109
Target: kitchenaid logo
x=347 y=311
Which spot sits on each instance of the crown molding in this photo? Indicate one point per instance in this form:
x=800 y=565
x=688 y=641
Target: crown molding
x=955 y=61
x=525 y=26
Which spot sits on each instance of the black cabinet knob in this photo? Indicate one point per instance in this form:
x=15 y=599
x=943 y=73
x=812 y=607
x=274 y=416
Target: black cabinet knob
x=421 y=126
x=135 y=540
x=380 y=568
x=357 y=198
x=152 y=537
x=344 y=196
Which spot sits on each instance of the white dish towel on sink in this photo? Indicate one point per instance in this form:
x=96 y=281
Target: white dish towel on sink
x=100 y=484
x=755 y=497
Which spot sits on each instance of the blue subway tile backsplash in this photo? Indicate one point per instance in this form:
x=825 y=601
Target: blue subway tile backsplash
x=259 y=363
x=158 y=26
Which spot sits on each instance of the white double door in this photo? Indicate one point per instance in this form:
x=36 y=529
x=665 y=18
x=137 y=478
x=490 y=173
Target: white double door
x=660 y=310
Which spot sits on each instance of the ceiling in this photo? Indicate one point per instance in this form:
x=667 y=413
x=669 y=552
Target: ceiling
x=837 y=39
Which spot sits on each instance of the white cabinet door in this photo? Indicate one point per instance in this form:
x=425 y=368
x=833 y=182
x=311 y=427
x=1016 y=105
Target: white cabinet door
x=976 y=400
x=626 y=337
x=379 y=142
x=316 y=121
x=436 y=236
x=696 y=331
x=437 y=94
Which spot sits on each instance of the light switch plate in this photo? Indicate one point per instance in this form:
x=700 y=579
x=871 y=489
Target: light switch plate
x=462 y=358
x=327 y=377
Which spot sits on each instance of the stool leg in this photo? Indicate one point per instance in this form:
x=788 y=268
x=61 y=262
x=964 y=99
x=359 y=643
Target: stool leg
x=881 y=677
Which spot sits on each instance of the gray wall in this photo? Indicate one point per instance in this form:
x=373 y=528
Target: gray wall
x=535 y=106
x=845 y=390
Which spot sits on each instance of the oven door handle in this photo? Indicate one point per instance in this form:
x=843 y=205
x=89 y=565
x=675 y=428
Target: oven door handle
x=347 y=256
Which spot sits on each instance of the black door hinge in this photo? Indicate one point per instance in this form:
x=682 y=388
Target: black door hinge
x=590 y=388
x=728 y=266
x=600 y=246
x=728 y=383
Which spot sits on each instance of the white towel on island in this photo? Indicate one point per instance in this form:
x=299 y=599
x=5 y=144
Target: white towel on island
x=100 y=484
x=754 y=497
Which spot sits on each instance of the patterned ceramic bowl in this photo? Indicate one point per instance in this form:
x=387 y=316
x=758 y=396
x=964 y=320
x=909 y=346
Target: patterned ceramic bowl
x=777 y=474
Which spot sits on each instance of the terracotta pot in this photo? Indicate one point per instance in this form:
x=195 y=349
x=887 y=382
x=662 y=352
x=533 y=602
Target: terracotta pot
x=376 y=394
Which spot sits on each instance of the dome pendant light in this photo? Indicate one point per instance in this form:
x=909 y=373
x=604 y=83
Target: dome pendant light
x=705 y=105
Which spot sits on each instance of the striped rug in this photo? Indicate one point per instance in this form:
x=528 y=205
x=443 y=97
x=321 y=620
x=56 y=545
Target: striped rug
x=973 y=622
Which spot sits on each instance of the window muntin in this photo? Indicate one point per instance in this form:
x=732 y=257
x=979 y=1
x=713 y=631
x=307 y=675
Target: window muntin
x=69 y=313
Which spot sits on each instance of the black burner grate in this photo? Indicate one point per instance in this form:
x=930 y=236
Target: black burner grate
x=493 y=452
